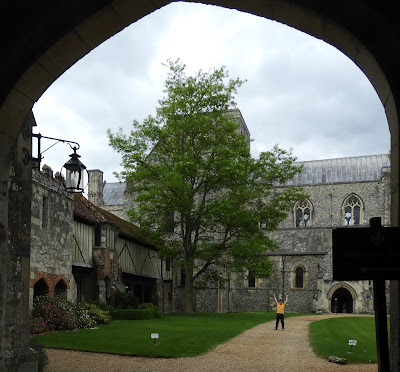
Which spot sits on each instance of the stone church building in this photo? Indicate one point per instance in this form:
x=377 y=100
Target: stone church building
x=342 y=192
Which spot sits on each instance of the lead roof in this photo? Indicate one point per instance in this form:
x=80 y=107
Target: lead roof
x=315 y=172
x=341 y=170
x=113 y=193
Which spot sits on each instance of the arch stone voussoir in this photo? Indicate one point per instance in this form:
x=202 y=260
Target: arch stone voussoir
x=345 y=286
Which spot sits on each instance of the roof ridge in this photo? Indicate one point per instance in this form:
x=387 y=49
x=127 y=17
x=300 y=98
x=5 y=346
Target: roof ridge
x=345 y=157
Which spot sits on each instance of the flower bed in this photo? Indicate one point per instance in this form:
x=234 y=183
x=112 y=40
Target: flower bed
x=51 y=313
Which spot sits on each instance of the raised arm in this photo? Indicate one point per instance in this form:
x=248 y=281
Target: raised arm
x=275 y=299
x=287 y=297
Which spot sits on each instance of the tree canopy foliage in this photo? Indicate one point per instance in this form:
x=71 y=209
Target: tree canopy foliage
x=197 y=191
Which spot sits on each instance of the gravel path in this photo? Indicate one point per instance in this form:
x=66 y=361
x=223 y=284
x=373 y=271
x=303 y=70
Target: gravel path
x=259 y=349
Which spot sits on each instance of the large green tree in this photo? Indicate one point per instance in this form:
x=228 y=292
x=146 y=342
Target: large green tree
x=191 y=162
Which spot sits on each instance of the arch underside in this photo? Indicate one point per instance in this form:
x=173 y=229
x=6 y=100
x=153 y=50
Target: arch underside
x=89 y=25
x=345 y=286
x=40 y=41
x=342 y=301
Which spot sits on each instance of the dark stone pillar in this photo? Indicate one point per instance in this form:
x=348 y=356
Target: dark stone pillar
x=15 y=203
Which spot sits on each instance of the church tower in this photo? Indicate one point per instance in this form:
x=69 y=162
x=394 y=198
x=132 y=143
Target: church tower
x=95 y=188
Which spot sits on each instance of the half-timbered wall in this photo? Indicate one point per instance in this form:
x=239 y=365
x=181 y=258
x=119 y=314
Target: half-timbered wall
x=139 y=260
x=83 y=242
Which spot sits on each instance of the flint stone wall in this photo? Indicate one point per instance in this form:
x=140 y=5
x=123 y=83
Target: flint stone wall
x=51 y=244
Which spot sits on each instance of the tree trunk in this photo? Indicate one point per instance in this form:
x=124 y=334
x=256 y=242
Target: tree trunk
x=189 y=291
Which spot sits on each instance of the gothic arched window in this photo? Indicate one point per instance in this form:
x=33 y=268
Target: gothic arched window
x=303 y=214
x=352 y=211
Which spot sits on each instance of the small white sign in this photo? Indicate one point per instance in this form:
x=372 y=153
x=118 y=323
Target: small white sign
x=352 y=342
x=154 y=335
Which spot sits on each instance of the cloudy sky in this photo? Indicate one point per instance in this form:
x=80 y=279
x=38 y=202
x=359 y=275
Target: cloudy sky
x=300 y=92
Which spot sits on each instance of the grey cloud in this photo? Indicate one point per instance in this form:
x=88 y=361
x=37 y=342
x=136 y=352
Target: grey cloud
x=300 y=92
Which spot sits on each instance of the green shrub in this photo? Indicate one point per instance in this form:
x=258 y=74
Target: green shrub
x=83 y=318
x=149 y=305
x=132 y=314
x=101 y=305
x=43 y=358
x=126 y=300
x=99 y=315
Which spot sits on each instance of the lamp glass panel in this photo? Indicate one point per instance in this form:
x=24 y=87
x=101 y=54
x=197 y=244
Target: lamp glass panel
x=74 y=180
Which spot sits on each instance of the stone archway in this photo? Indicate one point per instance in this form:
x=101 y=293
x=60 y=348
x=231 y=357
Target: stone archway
x=41 y=41
x=342 y=301
x=60 y=289
x=342 y=298
x=40 y=288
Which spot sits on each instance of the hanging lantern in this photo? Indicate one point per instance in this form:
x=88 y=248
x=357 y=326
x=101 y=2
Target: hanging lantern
x=74 y=177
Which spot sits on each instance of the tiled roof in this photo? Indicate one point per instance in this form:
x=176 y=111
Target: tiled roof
x=113 y=193
x=341 y=170
x=84 y=209
x=88 y=211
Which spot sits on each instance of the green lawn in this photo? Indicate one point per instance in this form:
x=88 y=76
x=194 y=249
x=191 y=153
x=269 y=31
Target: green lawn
x=180 y=335
x=331 y=336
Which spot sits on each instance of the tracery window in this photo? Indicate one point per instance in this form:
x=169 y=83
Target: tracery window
x=262 y=222
x=303 y=214
x=352 y=211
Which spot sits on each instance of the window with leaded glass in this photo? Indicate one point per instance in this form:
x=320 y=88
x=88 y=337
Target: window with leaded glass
x=303 y=214
x=352 y=211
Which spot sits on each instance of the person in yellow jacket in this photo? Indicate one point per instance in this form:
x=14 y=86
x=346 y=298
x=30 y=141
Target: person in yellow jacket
x=280 y=312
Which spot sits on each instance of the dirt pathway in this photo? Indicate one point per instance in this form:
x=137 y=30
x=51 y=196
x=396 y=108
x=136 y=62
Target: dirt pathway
x=259 y=349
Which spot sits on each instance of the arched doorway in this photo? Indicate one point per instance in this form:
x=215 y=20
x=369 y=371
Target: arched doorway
x=342 y=301
x=40 y=288
x=60 y=290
